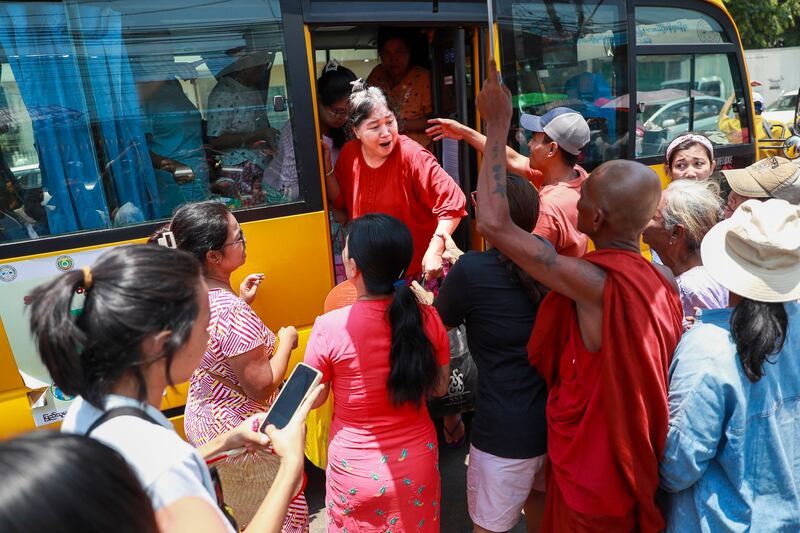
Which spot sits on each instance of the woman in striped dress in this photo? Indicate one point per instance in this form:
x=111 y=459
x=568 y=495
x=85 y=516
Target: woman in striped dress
x=242 y=365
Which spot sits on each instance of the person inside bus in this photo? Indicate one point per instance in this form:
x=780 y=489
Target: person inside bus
x=333 y=93
x=498 y=301
x=687 y=211
x=244 y=361
x=174 y=132
x=730 y=461
x=108 y=363
x=610 y=323
x=382 y=357
x=381 y=171
x=772 y=177
x=85 y=485
x=239 y=128
x=559 y=136
x=690 y=156
x=407 y=86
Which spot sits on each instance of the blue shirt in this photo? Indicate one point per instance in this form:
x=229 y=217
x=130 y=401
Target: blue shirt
x=732 y=457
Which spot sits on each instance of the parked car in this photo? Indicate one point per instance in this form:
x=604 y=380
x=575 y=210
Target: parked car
x=781 y=111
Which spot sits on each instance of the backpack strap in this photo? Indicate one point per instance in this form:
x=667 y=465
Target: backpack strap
x=127 y=410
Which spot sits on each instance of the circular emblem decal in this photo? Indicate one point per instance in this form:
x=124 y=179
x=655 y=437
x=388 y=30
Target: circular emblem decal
x=64 y=263
x=706 y=33
x=8 y=273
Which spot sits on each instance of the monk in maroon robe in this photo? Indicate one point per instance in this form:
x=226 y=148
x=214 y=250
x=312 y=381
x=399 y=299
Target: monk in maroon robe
x=603 y=339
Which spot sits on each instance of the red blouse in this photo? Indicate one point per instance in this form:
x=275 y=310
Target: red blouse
x=410 y=185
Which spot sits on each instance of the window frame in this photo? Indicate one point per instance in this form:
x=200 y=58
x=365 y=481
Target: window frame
x=733 y=47
x=508 y=55
x=309 y=175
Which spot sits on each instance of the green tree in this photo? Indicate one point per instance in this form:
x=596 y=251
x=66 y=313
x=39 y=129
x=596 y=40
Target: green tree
x=766 y=23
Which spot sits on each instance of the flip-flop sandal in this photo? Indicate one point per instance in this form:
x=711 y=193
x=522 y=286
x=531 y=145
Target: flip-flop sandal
x=450 y=432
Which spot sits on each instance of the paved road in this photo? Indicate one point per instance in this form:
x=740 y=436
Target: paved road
x=452 y=464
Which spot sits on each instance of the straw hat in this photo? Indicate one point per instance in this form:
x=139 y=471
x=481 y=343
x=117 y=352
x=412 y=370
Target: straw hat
x=756 y=252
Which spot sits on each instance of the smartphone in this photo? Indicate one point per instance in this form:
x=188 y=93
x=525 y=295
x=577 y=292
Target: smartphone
x=302 y=381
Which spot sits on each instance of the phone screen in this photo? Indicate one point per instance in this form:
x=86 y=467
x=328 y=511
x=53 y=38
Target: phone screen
x=290 y=397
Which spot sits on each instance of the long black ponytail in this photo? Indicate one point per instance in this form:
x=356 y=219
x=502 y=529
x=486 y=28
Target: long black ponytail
x=759 y=330
x=382 y=248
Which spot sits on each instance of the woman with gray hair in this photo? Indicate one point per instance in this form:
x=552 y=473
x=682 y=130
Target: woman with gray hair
x=688 y=209
x=381 y=171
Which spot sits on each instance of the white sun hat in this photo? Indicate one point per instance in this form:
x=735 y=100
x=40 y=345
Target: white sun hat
x=756 y=252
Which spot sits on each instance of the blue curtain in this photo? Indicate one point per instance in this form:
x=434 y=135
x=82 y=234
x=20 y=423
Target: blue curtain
x=117 y=106
x=38 y=41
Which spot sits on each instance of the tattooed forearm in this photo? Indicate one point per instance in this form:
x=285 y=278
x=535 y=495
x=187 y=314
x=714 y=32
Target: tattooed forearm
x=498 y=173
x=546 y=256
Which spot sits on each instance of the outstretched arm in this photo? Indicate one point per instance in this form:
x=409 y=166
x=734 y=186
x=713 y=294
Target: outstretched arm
x=442 y=128
x=575 y=278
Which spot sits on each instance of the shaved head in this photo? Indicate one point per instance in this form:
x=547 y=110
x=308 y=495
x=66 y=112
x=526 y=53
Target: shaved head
x=627 y=192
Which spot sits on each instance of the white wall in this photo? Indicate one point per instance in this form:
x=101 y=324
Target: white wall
x=778 y=69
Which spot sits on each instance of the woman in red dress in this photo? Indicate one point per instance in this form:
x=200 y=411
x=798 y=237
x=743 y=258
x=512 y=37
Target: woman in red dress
x=382 y=357
x=381 y=171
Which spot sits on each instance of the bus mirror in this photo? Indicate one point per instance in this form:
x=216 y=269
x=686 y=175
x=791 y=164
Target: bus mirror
x=791 y=148
x=279 y=103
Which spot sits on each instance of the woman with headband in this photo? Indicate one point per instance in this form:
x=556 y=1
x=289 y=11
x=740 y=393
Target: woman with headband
x=690 y=156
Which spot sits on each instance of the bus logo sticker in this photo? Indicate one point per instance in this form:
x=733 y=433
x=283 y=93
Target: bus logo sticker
x=64 y=263
x=8 y=273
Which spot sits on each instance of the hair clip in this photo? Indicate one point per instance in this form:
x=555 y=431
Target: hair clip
x=167 y=240
x=332 y=66
x=358 y=85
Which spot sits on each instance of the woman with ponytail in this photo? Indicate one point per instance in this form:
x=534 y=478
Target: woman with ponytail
x=731 y=459
x=382 y=357
x=115 y=336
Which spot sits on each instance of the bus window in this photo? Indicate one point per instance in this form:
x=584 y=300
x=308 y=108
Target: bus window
x=573 y=54
x=680 y=93
x=672 y=25
x=113 y=115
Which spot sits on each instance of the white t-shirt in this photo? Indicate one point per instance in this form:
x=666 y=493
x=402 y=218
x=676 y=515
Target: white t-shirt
x=168 y=467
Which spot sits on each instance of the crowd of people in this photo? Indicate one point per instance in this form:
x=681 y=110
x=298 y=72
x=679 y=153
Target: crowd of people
x=615 y=392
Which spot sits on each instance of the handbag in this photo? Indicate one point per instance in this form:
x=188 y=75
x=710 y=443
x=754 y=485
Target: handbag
x=463 y=379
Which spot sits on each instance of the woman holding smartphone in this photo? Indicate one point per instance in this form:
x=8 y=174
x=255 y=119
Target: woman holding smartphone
x=382 y=357
x=244 y=361
x=119 y=369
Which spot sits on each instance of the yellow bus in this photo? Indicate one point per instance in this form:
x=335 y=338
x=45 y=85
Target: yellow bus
x=91 y=90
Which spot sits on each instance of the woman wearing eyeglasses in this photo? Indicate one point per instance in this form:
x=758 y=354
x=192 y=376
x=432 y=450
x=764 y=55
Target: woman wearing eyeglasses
x=243 y=364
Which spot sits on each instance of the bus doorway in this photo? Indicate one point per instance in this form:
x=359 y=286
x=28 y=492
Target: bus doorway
x=447 y=54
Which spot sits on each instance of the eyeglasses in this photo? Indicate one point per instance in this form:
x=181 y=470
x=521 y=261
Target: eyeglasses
x=237 y=241
x=338 y=113
x=474 y=197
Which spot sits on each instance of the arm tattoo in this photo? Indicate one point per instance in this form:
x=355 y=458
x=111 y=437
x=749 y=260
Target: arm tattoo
x=547 y=254
x=499 y=176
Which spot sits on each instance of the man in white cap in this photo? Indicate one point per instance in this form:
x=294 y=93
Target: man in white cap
x=558 y=138
x=773 y=177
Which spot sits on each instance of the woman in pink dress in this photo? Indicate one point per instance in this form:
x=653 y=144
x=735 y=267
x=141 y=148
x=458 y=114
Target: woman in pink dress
x=243 y=364
x=382 y=357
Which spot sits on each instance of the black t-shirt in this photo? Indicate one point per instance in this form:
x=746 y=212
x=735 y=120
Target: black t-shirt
x=499 y=315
